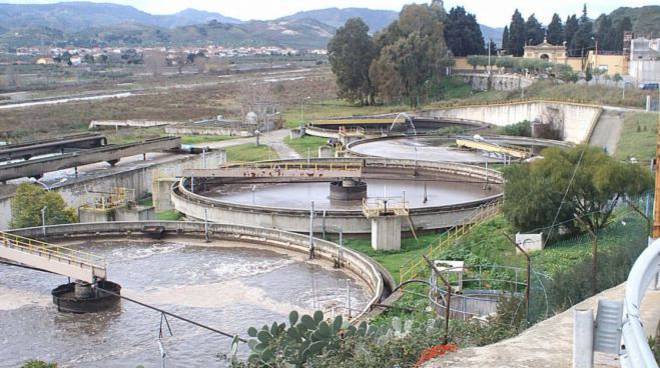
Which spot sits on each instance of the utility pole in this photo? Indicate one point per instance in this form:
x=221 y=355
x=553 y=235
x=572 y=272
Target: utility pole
x=43 y=220
x=656 y=201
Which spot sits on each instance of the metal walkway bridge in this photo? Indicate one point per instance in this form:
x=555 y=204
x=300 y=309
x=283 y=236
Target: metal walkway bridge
x=53 y=258
x=329 y=171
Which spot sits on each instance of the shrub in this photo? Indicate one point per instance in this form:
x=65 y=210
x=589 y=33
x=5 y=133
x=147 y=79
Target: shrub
x=521 y=129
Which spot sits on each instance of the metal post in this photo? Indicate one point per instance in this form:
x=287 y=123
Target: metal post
x=311 y=231
x=204 y=158
x=583 y=338
x=449 y=291
x=341 y=246
x=43 y=220
x=528 y=276
x=594 y=255
x=348 y=297
x=206 y=225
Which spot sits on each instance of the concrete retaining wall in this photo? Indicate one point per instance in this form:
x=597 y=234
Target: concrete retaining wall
x=498 y=82
x=139 y=178
x=356 y=263
x=352 y=222
x=579 y=119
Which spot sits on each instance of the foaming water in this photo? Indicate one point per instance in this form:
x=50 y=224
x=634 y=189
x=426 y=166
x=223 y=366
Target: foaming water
x=228 y=288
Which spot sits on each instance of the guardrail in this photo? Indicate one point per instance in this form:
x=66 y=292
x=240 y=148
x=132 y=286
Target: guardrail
x=638 y=354
x=51 y=250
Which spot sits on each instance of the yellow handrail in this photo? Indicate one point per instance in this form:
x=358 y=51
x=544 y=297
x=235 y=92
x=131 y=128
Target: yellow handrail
x=52 y=250
x=414 y=267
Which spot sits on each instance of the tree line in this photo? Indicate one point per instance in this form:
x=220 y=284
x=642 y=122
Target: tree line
x=578 y=34
x=405 y=61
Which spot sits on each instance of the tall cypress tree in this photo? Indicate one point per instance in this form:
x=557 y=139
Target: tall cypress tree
x=569 y=33
x=463 y=34
x=534 y=32
x=505 y=39
x=517 y=34
x=556 y=30
x=605 y=33
x=582 y=40
x=623 y=26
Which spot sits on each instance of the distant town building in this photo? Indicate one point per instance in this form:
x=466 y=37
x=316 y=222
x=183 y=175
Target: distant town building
x=546 y=51
x=644 y=65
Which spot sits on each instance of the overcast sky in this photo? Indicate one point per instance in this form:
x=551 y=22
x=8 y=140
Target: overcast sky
x=494 y=13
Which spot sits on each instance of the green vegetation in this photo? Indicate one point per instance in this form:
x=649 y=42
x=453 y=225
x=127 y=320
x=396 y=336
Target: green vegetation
x=38 y=364
x=195 y=139
x=250 y=152
x=29 y=200
x=638 y=138
x=310 y=341
x=171 y=215
x=392 y=260
x=334 y=108
x=405 y=61
x=306 y=145
x=551 y=190
x=521 y=129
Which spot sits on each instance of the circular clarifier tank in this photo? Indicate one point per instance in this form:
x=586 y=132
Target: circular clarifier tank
x=436 y=195
x=223 y=284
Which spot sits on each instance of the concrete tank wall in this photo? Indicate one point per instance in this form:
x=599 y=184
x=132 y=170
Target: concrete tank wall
x=579 y=119
x=356 y=263
x=140 y=179
x=197 y=206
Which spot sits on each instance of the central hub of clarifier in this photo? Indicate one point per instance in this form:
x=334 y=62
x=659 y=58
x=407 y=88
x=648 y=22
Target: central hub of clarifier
x=348 y=190
x=82 y=297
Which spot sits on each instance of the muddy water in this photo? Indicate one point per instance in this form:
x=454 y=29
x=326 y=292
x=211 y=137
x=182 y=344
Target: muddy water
x=227 y=287
x=420 y=148
x=299 y=195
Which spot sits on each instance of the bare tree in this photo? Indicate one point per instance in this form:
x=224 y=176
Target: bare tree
x=154 y=60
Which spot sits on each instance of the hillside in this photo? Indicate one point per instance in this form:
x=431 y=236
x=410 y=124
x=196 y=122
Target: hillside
x=78 y=16
x=335 y=17
x=645 y=19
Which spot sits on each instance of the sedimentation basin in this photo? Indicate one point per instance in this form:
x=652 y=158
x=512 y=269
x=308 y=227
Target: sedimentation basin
x=440 y=148
x=453 y=193
x=245 y=276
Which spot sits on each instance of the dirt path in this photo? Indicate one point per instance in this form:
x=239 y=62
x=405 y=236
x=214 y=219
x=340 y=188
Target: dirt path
x=549 y=343
x=274 y=139
x=608 y=130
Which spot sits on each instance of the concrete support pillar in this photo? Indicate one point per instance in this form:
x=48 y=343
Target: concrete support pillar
x=386 y=233
x=162 y=194
x=583 y=338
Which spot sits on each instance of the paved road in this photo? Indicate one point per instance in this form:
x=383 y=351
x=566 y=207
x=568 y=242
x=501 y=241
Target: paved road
x=608 y=130
x=548 y=344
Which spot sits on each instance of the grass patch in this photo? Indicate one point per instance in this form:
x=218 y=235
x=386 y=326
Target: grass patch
x=172 y=215
x=393 y=260
x=638 y=138
x=335 y=108
x=250 y=152
x=130 y=135
x=195 y=139
x=306 y=145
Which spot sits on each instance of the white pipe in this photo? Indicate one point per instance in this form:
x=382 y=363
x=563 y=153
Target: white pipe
x=644 y=271
x=583 y=338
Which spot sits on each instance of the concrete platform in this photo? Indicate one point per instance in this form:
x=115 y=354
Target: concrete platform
x=548 y=343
